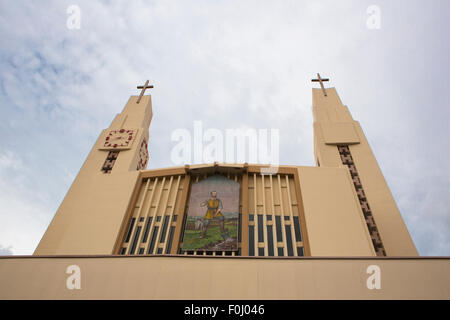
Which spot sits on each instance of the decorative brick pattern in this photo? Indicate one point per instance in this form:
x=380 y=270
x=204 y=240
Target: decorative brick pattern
x=347 y=159
x=109 y=162
x=143 y=156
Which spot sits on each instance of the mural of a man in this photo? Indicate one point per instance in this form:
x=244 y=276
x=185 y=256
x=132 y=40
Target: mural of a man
x=212 y=221
x=214 y=210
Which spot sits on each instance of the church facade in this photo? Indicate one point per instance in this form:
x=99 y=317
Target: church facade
x=332 y=231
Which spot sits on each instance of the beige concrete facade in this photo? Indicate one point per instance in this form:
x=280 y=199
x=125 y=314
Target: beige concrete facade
x=324 y=234
x=333 y=218
x=172 y=277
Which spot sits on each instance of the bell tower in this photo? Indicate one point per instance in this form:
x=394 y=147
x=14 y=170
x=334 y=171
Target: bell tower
x=339 y=141
x=89 y=218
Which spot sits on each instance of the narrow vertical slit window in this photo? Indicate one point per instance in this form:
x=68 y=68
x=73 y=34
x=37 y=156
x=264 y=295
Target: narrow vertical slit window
x=260 y=228
x=251 y=240
x=298 y=233
x=164 y=229
x=270 y=240
x=169 y=242
x=130 y=228
x=153 y=240
x=135 y=239
x=147 y=229
x=278 y=228
x=290 y=247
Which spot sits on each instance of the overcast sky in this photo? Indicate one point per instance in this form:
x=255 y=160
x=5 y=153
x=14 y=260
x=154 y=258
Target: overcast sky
x=230 y=64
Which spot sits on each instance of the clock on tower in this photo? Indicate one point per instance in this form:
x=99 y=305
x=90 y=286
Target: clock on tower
x=120 y=139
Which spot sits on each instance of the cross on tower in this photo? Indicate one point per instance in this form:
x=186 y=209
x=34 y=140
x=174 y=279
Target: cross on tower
x=144 y=87
x=320 y=80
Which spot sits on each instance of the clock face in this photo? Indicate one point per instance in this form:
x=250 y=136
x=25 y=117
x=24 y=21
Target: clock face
x=143 y=156
x=119 y=139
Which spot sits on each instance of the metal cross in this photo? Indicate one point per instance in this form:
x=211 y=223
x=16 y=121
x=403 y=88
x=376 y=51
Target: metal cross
x=144 y=87
x=320 y=80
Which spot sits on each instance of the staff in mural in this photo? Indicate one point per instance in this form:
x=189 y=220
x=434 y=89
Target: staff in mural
x=213 y=210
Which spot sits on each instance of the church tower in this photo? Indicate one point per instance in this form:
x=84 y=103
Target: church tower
x=339 y=141
x=90 y=216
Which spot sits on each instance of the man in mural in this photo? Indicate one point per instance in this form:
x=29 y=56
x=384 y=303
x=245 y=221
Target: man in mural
x=214 y=210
